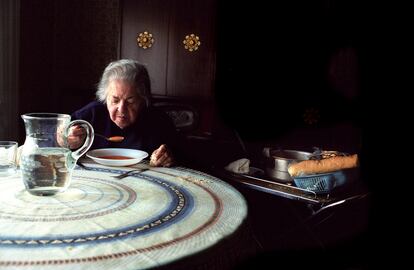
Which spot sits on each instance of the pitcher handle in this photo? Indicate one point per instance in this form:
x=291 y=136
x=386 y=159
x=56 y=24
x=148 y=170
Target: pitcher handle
x=89 y=137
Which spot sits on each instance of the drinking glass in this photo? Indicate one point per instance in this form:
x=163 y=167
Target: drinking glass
x=8 y=151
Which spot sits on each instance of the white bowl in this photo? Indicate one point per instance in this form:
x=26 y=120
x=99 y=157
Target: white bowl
x=107 y=156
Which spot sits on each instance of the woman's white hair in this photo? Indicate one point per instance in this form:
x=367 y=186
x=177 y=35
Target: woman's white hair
x=127 y=70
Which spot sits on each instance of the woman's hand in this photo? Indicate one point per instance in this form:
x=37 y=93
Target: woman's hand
x=162 y=157
x=76 y=137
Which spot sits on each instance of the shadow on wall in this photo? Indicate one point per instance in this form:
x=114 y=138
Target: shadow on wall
x=314 y=104
x=303 y=90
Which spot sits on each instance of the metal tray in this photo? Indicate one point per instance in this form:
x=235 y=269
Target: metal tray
x=289 y=191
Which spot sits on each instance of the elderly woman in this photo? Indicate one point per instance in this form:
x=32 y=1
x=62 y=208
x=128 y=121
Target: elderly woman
x=123 y=108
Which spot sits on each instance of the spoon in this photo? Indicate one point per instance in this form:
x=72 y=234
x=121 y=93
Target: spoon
x=112 y=138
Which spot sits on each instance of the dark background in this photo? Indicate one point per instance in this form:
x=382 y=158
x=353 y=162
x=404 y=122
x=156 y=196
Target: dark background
x=273 y=64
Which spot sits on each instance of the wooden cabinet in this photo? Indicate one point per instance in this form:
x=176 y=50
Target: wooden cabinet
x=174 y=70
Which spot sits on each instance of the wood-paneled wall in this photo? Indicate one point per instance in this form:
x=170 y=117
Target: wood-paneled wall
x=65 y=46
x=9 y=68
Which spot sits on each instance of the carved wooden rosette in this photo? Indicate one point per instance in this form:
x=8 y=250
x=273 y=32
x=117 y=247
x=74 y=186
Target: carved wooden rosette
x=145 y=40
x=191 y=42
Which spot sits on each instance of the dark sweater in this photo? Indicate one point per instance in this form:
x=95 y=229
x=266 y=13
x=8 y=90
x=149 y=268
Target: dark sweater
x=151 y=129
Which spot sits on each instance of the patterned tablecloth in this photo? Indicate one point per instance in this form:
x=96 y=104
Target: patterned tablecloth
x=146 y=220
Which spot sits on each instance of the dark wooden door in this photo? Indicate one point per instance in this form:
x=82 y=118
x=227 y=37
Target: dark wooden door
x=151 y=16
x=174 y=71
x=192 y=73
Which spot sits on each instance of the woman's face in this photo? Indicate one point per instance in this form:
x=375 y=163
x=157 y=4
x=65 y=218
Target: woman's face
x=123 y=103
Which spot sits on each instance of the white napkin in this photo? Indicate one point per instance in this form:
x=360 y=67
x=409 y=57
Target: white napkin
x=239 y=166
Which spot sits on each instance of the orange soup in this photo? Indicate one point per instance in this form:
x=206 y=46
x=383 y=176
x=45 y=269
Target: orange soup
x=115 y=157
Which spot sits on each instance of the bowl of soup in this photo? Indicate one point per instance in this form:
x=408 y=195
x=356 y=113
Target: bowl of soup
x=117 y=156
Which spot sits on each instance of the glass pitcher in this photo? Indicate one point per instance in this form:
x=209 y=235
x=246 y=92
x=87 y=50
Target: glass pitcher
x=46 y=160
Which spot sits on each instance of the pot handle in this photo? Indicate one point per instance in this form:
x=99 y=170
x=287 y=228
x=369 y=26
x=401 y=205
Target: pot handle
x=266 y=152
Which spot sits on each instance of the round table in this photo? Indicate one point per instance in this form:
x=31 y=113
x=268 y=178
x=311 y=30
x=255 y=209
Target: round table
x=145 y=220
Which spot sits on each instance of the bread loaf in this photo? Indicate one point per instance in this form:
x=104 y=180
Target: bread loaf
x=308 y=167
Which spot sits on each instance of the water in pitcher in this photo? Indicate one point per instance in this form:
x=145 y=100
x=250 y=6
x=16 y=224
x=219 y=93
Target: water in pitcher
x=47 y=170
x=46 y=161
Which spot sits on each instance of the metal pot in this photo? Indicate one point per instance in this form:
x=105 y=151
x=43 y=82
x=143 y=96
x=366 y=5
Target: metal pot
x=277 y=162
